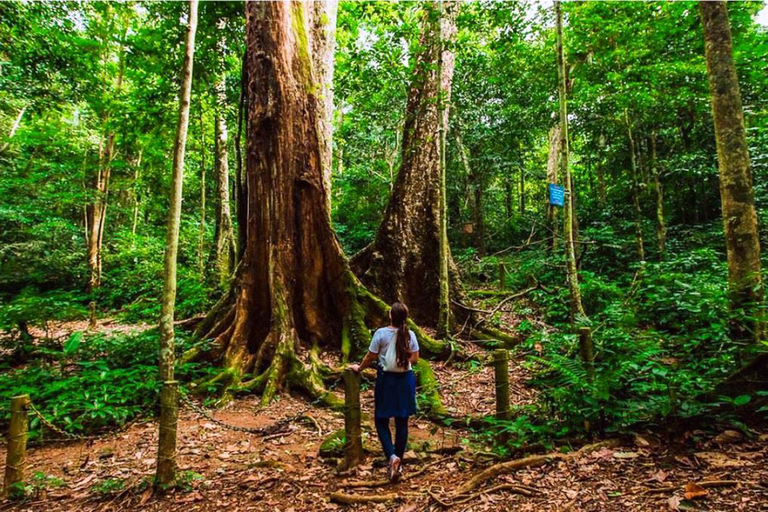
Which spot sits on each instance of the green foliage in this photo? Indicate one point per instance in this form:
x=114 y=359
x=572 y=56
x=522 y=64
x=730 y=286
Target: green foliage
x=108 y=486
x=102 y=382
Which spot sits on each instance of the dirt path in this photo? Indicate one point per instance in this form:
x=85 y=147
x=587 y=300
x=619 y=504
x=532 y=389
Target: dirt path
x=237 y=471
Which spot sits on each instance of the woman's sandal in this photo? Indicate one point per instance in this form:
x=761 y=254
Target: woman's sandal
x=395 y=470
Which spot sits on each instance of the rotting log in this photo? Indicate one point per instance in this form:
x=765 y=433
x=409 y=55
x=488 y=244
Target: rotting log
x=15 y=458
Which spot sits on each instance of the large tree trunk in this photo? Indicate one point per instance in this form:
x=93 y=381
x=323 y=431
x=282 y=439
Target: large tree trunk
x=404 y=261
x=166 y=452
x=323 y=34
x=552 y=161
x=225 y=252
x=577 y=309
x=294 y=292
x=736 y=193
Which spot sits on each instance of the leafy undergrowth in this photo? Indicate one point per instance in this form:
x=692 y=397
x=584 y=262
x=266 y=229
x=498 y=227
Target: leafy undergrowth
x=91 y=381
x=661 y=340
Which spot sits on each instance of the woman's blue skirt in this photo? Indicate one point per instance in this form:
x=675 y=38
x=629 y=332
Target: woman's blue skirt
x=395 y=394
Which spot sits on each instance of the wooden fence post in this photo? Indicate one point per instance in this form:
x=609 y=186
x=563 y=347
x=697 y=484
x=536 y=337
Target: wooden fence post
x=501 y=370
x=17 y=444
x=502 y=276
x=353 y=444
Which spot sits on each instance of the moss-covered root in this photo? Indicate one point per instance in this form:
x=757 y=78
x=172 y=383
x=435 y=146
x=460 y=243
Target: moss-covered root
x=429 y=389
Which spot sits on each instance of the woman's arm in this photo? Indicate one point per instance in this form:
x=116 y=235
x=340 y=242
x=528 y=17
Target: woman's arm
x=369 y=358
x=414 y=357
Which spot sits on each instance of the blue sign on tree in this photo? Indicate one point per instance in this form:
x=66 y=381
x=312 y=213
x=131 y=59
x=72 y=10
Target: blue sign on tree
x=556 y=195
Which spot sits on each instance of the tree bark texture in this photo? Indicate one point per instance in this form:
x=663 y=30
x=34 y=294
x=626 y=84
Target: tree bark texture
x=577 y=309
x=166 y=460
x=323 y=34
x=736 y=192
x=224 y=250
x=404 y=261
x=552 y=161
x=294 y=292
x=661 y=224
x=639 y=242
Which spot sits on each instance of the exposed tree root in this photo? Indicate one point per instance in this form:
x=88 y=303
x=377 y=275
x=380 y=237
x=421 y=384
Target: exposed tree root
x=352 y=499
x=526 y=462
x=460 y=499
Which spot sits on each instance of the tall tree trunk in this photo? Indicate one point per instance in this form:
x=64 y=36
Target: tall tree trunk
x=201 y=234
x=240 y=181
x=600 y=170
x=577 y=309
x=225 y=252
x=474 y=196
x=405 y=262
x=522 y=190
x=166 y=452
x=136 y=172
x=552 y=163
x=661 y=225
x=294 y=293
x=96 y=211
x=323 y=26
x=736 y=192
x=639 y=243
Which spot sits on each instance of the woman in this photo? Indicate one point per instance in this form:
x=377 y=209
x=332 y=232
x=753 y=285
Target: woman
x=396 y=349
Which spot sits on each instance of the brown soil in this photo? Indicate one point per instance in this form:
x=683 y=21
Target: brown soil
x=228 y=470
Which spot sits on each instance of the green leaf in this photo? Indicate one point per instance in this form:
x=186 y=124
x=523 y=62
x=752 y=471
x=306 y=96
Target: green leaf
x=72 y=344
x=741 y=400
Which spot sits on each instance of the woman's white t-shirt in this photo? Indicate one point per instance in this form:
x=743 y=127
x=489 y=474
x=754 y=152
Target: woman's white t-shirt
x=381 y=341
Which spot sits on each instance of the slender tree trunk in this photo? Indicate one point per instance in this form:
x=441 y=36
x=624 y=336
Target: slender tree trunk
x=166 y=453
x=736 y=192
x=639 y=243
x=225 y=252
x=601 y=171
x=410 y=257
x=323 y=35
x=522 y=190
x=241 y=197
x=136 y=194
x=555 y=140
x=294 y=293
x=475 y=196
x=508 y=197
x=201 y=234
x=577 y=309
x=96 y=211
x=661 y=225
x=14 y=127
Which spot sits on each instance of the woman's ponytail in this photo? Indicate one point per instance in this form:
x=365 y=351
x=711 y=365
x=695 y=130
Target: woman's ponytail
x=399 y=316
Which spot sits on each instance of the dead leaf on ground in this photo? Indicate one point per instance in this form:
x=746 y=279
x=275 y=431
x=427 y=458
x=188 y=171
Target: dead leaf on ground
x=658 y=476
x=729 y=437
x=674 y=503
x=693 y=491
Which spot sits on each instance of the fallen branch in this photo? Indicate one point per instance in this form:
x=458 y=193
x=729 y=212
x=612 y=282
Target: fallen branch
x=527 y=462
